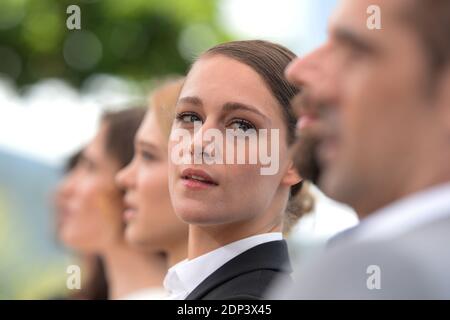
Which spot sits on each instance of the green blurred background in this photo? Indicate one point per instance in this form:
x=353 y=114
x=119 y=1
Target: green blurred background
x=135 y=40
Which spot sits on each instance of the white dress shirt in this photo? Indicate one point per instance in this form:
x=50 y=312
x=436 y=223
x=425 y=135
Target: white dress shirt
x=185 y=276
x=405 y=214
x=155 y=293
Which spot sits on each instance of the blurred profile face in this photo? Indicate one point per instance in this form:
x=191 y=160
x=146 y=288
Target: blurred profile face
x=217 y=194
x=58 y=199
x=365 y=97
x=90 y=203
x=151 y=221
x=59 y=203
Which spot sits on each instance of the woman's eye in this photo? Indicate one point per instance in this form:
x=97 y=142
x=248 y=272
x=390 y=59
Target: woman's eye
x=242 y=125
x=87 y=165
x=188 y=117
x=147 y=156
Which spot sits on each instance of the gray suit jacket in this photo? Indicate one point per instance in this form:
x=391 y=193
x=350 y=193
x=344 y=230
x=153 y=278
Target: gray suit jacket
x=413 y=265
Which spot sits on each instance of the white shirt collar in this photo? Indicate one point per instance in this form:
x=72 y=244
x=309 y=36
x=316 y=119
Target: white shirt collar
x=185 y=276
x=155 y=293
x=405 y=214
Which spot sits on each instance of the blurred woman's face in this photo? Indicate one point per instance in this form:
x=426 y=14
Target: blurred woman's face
x=221 y=93
x=151 y=221
x=90 y=203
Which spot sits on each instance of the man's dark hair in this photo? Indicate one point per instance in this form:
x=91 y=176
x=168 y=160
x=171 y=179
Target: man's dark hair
x=431 y=19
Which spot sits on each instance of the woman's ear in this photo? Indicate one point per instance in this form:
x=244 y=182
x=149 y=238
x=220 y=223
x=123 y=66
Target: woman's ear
x=291 y=177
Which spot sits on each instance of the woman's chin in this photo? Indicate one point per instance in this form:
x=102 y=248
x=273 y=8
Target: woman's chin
x=199 y=217
x=134 y=237
x=79 y=245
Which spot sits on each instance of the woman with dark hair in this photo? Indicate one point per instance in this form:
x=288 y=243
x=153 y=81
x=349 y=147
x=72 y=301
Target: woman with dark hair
x=94 y=286
x=236 y=214
x=93 y=209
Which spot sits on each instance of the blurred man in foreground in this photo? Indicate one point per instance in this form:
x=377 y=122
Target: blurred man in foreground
x=379 y=100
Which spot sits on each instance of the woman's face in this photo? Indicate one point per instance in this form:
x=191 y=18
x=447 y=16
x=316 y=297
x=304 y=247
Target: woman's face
x=90 y=203
x=151 y=221
x=222 y=93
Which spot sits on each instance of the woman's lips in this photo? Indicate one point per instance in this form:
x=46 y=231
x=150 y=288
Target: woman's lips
x=63 y=213
x=130 y=210
x=129 y=214
x=195 y=184
x=197 y=179
x=305 y=122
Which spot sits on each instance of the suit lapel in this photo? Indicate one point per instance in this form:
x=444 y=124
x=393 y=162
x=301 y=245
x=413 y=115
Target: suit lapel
x=271 y=255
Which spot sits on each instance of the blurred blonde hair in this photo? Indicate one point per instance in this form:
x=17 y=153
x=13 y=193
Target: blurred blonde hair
x=163 y=101
x=299 y=204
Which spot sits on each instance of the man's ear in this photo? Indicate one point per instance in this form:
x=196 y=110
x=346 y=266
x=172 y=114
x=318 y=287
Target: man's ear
x=291 y=177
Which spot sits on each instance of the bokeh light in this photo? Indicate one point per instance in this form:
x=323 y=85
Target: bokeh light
x=82 y=50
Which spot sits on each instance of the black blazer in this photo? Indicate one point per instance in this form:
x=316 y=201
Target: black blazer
x=248 y=275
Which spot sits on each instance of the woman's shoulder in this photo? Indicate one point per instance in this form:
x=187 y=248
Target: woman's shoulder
x=249 y=274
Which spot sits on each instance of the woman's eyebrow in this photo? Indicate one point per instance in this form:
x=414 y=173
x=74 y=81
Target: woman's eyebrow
x=191 y=100
x=233 y=106
x=227 y=107
x=145 y=144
